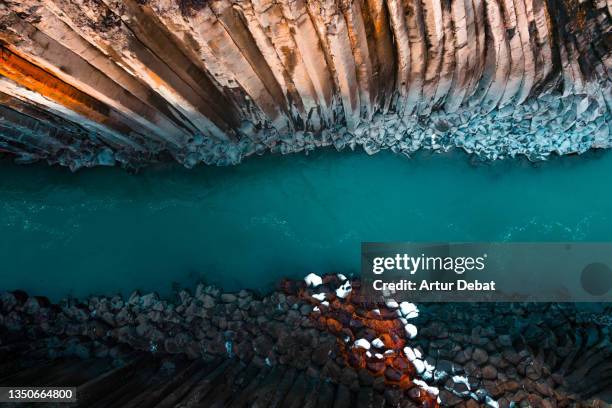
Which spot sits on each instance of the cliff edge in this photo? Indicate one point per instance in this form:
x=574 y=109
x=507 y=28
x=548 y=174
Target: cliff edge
x=99 y=82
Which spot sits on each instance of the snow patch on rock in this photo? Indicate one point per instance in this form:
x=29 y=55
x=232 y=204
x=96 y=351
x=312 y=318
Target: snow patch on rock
x=378 y=343
x=411 y=330
x=313 y=279
x=363 y=343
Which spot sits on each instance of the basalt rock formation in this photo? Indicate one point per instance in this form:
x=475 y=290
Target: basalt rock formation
x=98 y=82
x=213 y=349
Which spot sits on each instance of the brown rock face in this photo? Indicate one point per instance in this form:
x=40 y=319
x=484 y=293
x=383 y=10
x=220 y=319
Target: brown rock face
x=95 y=82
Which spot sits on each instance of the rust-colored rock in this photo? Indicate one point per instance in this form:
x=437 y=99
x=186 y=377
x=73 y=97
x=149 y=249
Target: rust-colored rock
x=87 y=83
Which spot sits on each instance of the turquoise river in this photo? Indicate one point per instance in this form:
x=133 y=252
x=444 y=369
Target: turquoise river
x=105 y=230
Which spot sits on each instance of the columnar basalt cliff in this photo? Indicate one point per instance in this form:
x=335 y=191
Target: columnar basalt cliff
x=290 y=349
x=98 y=82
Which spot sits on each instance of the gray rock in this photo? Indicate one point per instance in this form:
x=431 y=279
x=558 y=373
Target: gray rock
x=212 y=291
x=511 y=356
x=533 y=372
x=171 y=346
x=8 y=301
x=134 y=298
x=544 y=389
x=348 y=376
x=480 y=356
x=263 y=345
x=148 y=300
x=462 y=357
x=489 y=372
x=305 y=309
x=379 y=384
x=392 y=374
x=159 y=306
x=31 y=306
x=505 y=340
x=448 y=399
x=208 y=301
x=184 y=297
x=365 y=378
x=168 y=367
x=116 y=303
x=321 y=354
x=199 y=291
x=393 y=396
x=228 y=298
x=448 y=367
x=244 y=303
x=331 y=370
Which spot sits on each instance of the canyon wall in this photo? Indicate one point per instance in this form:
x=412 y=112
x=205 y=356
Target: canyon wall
x=100 y=82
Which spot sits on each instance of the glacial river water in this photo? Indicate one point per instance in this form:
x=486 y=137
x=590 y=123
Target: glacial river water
x=104 y=230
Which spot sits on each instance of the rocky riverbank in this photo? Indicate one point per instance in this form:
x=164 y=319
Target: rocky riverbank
x=87 y=83
x=499 y=355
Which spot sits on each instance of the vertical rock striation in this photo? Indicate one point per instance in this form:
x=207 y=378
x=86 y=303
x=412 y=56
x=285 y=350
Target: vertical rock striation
x=99 y=82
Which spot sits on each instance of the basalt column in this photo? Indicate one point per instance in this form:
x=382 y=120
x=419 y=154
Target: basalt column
x=99 y=82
